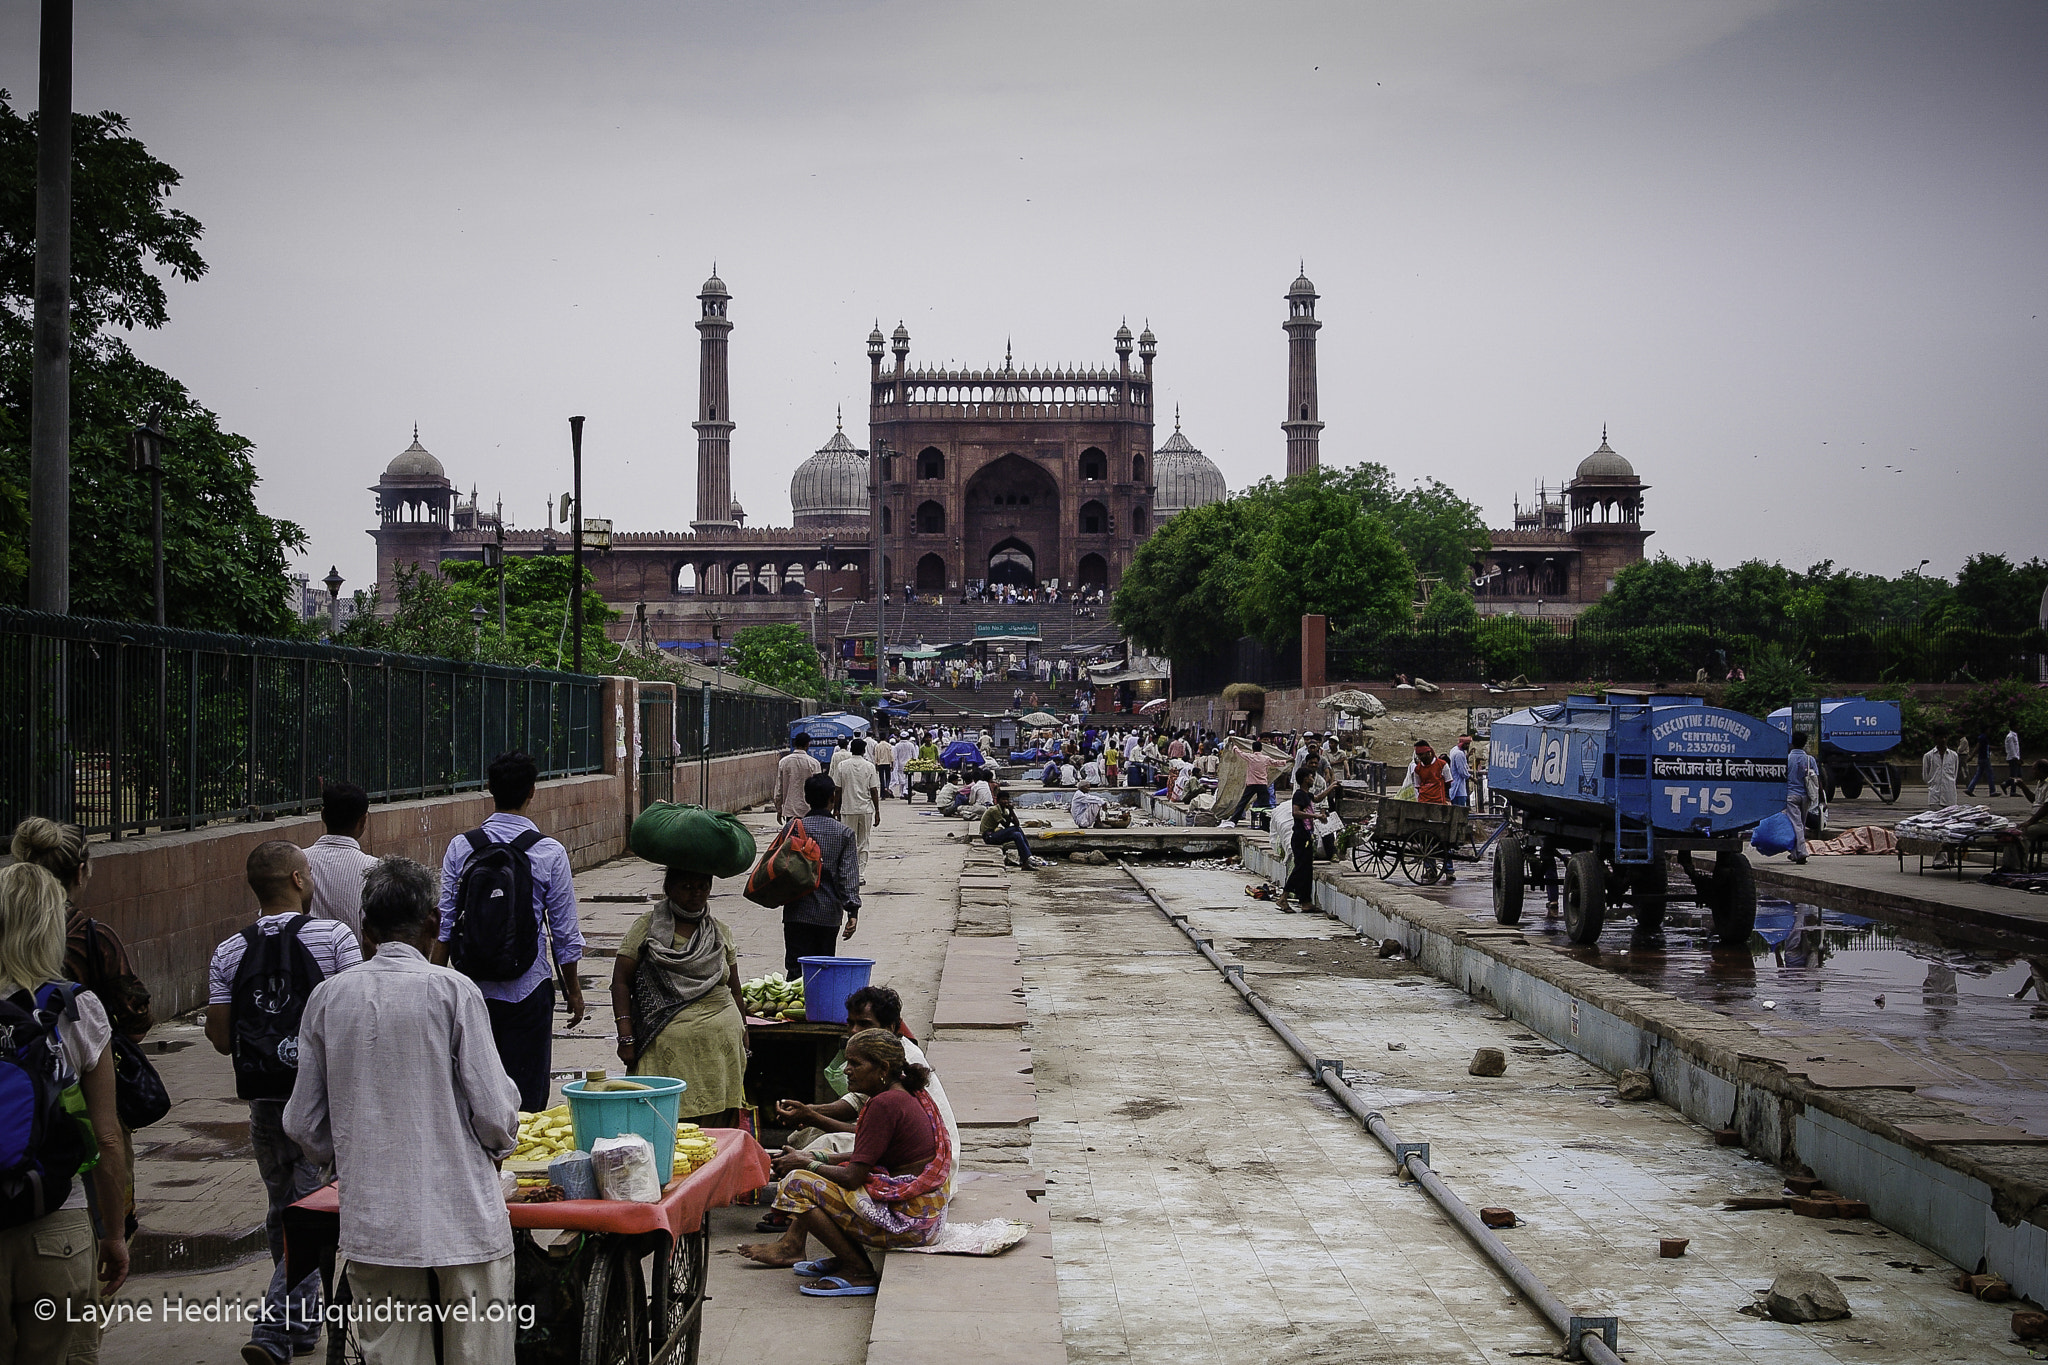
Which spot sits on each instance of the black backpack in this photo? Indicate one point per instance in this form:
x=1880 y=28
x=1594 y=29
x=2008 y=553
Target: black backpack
x=276 y=976
x=45 y=1138
x=496 y=935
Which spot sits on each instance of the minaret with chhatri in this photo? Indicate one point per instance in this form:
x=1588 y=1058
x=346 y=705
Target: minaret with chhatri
x=1302 y=426
x=714 y=416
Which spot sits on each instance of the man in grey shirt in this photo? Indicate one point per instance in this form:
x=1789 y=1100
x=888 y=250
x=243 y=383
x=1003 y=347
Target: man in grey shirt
x=400 y=1088
x=810 y=927
x=796 y=768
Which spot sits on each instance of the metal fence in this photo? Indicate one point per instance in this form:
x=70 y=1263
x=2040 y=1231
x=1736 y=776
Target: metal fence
x=672 y=731
x=1563 y=651
x=121 y=727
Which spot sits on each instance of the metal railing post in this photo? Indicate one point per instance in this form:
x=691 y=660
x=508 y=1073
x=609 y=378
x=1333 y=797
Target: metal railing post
x=114 y=774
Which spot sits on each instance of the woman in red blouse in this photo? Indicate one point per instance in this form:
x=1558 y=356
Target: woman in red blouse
x=889 y=1192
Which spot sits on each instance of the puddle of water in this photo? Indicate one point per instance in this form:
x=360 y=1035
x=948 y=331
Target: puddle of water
x=1811 y=970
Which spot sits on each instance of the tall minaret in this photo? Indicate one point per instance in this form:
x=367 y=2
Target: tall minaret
x=1302 y=425
x=714 y=417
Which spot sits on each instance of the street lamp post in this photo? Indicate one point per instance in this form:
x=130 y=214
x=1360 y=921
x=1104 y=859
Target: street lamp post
x=334 y=581
x=145 y=453
x=476 y=620
x=576 y=568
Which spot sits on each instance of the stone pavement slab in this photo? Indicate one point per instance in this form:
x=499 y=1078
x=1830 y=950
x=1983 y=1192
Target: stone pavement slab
x=950 y=1308
x=1874 y=884
x=988 y=1080
x=982 y=987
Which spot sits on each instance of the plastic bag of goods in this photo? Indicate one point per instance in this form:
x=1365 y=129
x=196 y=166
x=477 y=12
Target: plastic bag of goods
x=1774 y=835
x=692 y=839
x=625 y=1169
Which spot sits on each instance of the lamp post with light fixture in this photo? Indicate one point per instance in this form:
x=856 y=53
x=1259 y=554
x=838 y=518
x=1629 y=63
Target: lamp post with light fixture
x=146 y=456
x=334 y=581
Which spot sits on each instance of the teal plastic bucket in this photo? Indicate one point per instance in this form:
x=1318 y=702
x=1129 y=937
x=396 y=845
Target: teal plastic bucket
x=652 y=1113
x=827 y=983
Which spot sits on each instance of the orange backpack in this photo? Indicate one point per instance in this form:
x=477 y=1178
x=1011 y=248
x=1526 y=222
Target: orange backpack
x=789 y=871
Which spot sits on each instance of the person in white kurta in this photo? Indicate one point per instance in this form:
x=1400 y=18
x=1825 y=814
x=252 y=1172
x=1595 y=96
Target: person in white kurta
x=1938 y=770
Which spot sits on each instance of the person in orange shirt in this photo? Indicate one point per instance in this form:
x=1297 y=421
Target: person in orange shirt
x=1432 y=776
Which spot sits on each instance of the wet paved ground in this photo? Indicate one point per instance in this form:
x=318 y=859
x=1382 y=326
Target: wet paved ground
x=1835 y=980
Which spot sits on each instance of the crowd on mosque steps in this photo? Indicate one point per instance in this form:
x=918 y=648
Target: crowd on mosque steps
x=342 y=1005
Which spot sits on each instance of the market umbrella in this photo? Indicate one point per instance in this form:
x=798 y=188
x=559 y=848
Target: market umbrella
x=1039 y=718
x=1364 y=703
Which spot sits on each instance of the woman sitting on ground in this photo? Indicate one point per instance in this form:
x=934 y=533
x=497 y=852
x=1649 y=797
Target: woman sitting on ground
x=889 y=1192
x=676 y=994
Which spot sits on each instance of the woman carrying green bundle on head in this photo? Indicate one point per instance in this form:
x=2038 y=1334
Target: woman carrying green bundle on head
x=676 y=996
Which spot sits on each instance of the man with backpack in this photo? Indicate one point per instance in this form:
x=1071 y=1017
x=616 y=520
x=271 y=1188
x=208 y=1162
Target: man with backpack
x=257 y=988
x=810 y=926
x=504 y=888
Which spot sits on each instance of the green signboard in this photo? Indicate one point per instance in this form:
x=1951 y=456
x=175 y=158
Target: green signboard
x=984 y=629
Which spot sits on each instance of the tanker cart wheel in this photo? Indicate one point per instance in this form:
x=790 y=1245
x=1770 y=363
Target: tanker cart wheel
x=1731 y=895
x=1585 y=897
x=1852 y=784
x=1888 y=789
x=1509 y=878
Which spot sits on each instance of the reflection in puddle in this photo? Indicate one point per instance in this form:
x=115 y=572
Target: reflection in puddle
x=1840 y=981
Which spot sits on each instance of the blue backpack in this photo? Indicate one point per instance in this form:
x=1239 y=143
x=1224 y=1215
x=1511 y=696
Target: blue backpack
x=45 y=1136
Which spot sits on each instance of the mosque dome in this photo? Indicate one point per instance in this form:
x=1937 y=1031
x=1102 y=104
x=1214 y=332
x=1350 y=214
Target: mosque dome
x=1183 y=476
x=1605 y=464
x=714 y=287
x=832 y=485
x=415 y=462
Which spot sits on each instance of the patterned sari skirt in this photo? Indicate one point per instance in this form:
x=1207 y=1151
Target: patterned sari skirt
x=912 y=1222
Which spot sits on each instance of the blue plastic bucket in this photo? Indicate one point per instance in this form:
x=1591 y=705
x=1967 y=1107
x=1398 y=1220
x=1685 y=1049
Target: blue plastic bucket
x=827 y=983
x=652 y=1113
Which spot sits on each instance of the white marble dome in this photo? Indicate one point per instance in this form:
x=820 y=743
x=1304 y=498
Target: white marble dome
x=1604 y=463
x=1183 y=476
x=831 y=486
x=415 y=462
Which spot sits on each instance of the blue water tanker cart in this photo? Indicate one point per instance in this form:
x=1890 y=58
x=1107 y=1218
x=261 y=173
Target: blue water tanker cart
x=1855 y=735
x=1610 y=787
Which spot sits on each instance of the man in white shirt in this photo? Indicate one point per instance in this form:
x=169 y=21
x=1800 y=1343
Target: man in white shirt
x=840 y=753
x=906 y=753
x=337 y=859
x=1938 y=770
x=2016 y=782
x=795 y=769
x=860 y=797
x=401 y=1089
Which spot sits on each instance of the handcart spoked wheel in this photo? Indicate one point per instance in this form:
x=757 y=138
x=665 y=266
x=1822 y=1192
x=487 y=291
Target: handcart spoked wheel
x=1369 y=855
x=1423 y=839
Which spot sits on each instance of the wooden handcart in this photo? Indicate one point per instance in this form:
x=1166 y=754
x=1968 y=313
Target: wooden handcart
x=1419 y=839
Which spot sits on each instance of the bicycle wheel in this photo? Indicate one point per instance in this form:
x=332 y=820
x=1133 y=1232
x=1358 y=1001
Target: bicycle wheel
x=614 y=1300
x=342 y=1346
x=680 y=1273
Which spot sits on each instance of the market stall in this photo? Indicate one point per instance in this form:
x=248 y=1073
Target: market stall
x=584 y=1265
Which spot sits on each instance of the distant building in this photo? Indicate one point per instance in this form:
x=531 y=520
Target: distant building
x=1565 y=548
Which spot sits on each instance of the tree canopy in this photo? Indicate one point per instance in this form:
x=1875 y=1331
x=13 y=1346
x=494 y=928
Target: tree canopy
x=782 y=656
x=1256 y=563
x=224 y=560
x=435 y=615
x=1757 y=597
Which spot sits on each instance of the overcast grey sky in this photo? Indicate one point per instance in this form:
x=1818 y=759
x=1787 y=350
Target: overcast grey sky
x=1776 y=247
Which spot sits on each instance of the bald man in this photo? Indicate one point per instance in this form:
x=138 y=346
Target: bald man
x=256 y=989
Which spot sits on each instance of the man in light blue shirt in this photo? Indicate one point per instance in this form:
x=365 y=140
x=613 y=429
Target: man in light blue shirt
x=1798 y=763
x=1461 y=772
x=522 y=1010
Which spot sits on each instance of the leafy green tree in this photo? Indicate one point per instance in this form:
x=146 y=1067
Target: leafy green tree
x=1655 y=592
x=1993 y=593
x=1774 y=680
x=1317 y=553
x=224 y=561
x=435 y=616
x=1450 y=608
x=782 y=656
x=1442 y=533
x=1179 y=596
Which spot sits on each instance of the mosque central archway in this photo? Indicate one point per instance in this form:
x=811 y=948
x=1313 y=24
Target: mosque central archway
x=1012 y=523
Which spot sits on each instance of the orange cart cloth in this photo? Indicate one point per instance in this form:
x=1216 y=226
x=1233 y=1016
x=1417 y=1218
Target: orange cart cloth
x=741 y=1165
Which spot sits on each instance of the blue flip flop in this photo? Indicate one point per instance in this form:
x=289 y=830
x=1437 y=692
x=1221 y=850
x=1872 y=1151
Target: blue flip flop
x=839 y=1288
x=810 y=1270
